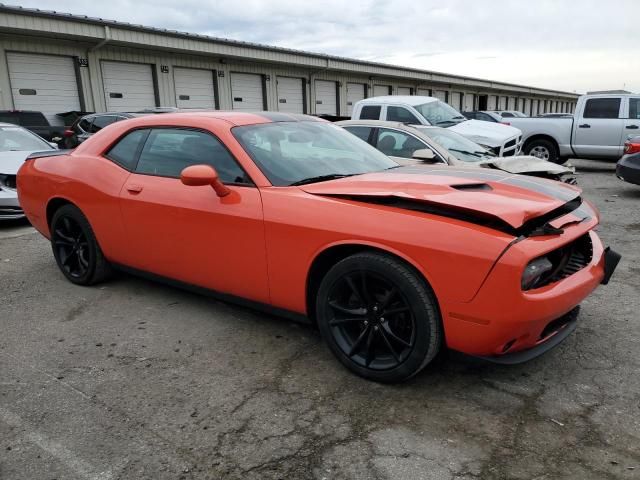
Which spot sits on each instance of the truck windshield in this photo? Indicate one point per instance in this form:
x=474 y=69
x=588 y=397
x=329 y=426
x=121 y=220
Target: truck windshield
x=15 y=139
x=459 y=146
x=440 y=114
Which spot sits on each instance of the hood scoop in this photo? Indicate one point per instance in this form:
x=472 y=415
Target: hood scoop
x=473 y=187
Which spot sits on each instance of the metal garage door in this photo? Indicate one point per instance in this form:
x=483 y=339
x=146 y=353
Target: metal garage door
x=290 y=95
x=502 y=103
x=326 y=98
x=46 y=83
x=467 y=102
x=527 y=106
x=493 y=102
x=404 y=90
x=455 y=100
x=128 y=87
x=247 y=92
x=440 y=95
x=355 y=93
x=194 y=88
x=381 y=90
x=425 y=92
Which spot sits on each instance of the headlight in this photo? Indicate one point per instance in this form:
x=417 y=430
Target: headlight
x=534 y=272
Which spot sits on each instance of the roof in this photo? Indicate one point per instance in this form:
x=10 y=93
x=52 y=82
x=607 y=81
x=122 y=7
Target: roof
x=51 y=14
x=406 y=99
x=236 y=118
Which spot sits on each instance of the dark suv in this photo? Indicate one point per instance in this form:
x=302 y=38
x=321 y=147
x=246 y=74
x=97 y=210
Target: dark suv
x=36 y=122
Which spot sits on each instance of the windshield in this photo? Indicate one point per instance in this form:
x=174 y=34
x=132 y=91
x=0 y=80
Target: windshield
x=460 y=147
x=295 y=152
x=16 y=139
x=440 y=114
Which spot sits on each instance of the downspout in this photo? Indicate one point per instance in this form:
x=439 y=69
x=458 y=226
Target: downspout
x=99 y=45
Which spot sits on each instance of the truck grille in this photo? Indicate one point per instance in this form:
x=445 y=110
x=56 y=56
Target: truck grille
x=8 y=181
x=511 y=147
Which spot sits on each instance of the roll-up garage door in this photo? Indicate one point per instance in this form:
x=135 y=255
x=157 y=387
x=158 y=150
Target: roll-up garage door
x=467 y=102
x=128 y=87
x=290 y=95
x=381 y=90
x=194 y=88
x=535 y=107
x=247 y=92
x=456 y=100
x=493 y=102
x=326 y=97
x=355 y=93
x=425 y=92
x=404 y=90
x=502 y=104
x=46 y=83
x=527 y=106
x=440 y=95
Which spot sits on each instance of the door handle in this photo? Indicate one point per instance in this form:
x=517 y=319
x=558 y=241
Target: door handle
x=584 y=125
x=134 y=188
x=632 y=127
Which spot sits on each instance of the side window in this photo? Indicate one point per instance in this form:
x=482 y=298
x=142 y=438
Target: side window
x=484 y=117
x=33 y=119
x=360 y=132
x=102 y=121
x=398 y=144
x=370 y=112
x=634 y=108
x=401 y=114
x=85 y=124
x=124 y=152
x=602 y=108
x=168 y=151
x=507 y=114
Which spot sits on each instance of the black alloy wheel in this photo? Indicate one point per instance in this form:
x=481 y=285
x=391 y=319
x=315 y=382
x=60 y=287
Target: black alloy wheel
x=379 y=317
x=75 y=248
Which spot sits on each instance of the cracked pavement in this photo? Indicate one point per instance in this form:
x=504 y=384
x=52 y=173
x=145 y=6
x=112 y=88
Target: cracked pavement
x=136 y=380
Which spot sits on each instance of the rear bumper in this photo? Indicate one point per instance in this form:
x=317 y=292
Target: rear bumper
x=504 y=320
x=629 y=172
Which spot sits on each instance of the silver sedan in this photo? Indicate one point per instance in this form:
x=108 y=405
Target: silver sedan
x=16 y=144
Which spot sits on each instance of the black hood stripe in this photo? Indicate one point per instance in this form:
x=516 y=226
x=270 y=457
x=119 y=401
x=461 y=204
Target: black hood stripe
x=538 y=185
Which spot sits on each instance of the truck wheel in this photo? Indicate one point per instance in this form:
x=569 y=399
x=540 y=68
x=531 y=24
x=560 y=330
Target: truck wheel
x=544 y=150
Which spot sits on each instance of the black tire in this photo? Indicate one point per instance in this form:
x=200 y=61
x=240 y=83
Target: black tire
x=390 y=349
x=75 y=247
x=543 y=149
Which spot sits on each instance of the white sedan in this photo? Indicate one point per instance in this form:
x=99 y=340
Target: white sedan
x=16 y=144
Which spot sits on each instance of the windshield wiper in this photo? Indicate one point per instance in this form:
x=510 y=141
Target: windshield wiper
x=467 y=152
x=320 y=178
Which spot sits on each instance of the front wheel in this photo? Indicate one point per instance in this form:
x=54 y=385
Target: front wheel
x=379 y=317
x=75 y=247
x=543 y=149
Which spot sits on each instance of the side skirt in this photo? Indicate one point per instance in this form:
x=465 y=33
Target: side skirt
x=225 y=297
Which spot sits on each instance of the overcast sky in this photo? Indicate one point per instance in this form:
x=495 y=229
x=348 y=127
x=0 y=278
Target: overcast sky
x=572 y=45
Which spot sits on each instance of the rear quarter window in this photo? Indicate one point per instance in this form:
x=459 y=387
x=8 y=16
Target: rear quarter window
x=126 y=151
x=32 y=119
x=370 y=112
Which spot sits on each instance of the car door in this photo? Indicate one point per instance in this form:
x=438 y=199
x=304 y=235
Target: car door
x=632 y=118
x=598 y=128
x=188 y=233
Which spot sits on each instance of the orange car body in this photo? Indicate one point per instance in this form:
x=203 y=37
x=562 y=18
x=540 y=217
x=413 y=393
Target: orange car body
x=261 y=242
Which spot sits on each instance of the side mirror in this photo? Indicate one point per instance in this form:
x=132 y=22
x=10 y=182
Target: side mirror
x=424 y=154
x=201 y=175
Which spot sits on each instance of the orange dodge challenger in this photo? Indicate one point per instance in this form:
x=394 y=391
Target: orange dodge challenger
x=297 y=216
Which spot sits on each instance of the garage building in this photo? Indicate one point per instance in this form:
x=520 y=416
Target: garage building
x=58 y=62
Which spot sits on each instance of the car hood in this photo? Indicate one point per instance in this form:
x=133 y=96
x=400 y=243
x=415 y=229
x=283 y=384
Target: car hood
x=489 y=194
x=524 y=164
x=486 y=133
x=10 y=162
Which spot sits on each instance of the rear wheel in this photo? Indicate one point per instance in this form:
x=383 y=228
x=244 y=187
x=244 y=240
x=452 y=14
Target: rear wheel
x=544 y=150
x=378 y=317
x=75 y=248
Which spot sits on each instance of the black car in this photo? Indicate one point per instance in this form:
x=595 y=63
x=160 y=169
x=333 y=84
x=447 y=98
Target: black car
x=86 y=126
x=628 y=168
x=35 y=122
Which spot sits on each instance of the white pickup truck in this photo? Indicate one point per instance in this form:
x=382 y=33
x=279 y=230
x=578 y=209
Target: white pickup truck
x=598 y=129
x=502 y=140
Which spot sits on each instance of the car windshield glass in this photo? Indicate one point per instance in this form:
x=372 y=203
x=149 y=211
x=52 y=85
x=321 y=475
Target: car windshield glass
x=440 y=114
x=304 y=152
x=16 y=139
x=460 y=147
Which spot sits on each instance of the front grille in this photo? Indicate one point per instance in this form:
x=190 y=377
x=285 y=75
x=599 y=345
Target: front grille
x=568 y=260
x=4 y=211
x=8 y=181
x=510 y=143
